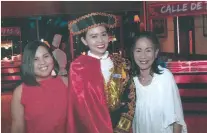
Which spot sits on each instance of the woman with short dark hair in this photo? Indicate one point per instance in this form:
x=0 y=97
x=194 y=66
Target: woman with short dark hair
x=39 y=104
x=28 y=74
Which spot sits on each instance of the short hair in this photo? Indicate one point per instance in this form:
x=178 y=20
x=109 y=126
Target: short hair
x=135 y=70
x=27 y=66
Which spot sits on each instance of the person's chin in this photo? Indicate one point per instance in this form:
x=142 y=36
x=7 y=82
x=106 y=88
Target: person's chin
x=44 y=74
x=101 y=52
x=104 y=50
x=144 y=67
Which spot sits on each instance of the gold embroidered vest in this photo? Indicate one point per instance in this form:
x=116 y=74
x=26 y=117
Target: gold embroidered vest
x=125 y=123
x=115 y=87
x=114 y=90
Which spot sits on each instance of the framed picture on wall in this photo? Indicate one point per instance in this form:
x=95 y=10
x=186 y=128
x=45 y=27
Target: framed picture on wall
x=159 y=27
x=205 y=25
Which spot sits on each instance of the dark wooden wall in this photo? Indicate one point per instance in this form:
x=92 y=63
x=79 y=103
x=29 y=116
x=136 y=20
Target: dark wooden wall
x=30 y=8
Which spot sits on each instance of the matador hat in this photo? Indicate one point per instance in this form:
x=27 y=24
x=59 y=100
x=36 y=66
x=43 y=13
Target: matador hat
x=82 y=24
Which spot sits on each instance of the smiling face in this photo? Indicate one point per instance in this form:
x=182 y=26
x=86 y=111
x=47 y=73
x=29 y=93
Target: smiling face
x=97 y=40
x=43 y=63
x=144 y=53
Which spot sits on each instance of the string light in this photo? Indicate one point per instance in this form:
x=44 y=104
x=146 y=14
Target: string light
x=6 y=45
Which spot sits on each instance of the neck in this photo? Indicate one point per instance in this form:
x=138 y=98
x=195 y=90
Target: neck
x=99 y=55
x=145 y=73
x=41 y=78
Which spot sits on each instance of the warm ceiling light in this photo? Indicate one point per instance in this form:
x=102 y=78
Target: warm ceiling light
x=136 y=18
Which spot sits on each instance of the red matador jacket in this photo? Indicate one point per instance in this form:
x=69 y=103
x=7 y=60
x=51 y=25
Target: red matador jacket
x=95 y=106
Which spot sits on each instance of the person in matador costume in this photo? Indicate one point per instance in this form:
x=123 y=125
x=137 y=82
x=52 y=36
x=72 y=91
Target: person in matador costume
x=100 y=100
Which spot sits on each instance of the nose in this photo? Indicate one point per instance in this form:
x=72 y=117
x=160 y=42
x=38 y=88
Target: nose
x=41 y=61
x=142 y=55
x=100 y=39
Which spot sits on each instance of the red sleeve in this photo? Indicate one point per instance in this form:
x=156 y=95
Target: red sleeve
x=87 y=110
x=75 y=109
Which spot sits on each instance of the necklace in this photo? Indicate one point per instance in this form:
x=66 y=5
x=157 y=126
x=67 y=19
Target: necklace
x=145 y=80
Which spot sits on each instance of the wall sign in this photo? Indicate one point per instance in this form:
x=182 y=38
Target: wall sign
x=183 y=8
x=10 y=31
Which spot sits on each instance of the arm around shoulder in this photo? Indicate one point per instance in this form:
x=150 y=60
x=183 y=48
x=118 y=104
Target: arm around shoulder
x=75 y=106
x=17 y=112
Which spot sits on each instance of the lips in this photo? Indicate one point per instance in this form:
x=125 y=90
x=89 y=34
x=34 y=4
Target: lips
x=101 y=46
x=43 y=68
x=143 y=62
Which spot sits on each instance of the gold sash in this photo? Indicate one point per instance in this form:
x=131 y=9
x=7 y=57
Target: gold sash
x=125 y=123
x=114 y=90
x=115 y=87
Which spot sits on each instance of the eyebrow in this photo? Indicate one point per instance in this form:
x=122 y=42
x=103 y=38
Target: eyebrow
x=97 y=33
x=43 y=55
x=149 y=48
x=137 y=48
x=146 y=48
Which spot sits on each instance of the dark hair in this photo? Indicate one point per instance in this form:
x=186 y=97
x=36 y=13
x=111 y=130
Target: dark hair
x=135 y=70
x=27 y=67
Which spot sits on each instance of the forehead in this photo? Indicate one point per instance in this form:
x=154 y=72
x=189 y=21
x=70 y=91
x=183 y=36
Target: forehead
x=144 y=42
x=96 y=30
x=41 y=50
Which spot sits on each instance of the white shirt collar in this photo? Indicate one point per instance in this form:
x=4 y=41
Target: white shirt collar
x=105 y=56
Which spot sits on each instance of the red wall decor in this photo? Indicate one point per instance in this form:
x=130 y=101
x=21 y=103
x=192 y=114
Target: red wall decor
x=10 y=31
